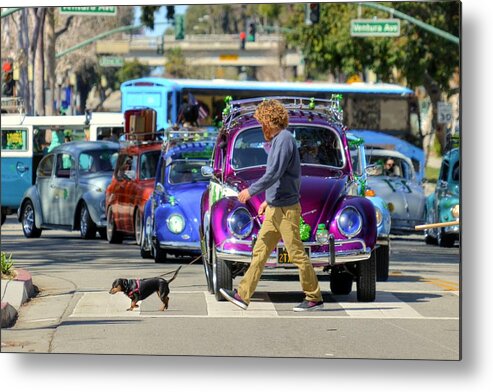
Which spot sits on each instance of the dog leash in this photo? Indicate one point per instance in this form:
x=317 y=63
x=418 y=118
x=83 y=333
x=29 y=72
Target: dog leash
x=200 y=256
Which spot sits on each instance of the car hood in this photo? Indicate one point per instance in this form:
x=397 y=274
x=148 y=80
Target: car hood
x=188 y=197
x=319 y=195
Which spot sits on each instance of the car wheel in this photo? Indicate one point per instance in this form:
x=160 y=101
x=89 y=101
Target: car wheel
x=206 y=259
x=366 y=281
x=159 y=255
x=429 y=238
x=341 y=282
x=28 y=222
x=145 y=249
x=102 y=233
x=444 y=240
x=113 y=235
x=383 y=258
x=87 y=225
x=4 y=218
x=138 y=226
x=221 y=275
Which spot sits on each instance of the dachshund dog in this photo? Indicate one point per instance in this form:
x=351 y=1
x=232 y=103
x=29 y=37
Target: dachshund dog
x=139 y=289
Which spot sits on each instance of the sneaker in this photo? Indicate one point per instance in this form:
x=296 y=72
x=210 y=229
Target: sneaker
x=233 y=297
x=308 y=306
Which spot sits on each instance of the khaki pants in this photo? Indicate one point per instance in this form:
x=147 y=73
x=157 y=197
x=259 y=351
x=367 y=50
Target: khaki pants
x=280 y=222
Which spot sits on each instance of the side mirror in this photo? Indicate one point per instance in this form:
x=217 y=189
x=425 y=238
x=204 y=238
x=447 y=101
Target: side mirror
x=207 y=171
x=159 y=190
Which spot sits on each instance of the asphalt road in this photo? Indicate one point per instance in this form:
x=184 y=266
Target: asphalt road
x=416 y=314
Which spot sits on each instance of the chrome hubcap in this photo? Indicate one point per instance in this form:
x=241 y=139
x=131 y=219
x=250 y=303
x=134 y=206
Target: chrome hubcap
x=83 y=221
x=28 y=219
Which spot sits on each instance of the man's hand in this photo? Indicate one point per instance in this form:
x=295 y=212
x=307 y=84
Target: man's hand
x=244 y=196
x=262 y=208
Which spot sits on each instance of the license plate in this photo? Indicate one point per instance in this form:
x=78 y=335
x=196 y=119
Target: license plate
x=283 y=257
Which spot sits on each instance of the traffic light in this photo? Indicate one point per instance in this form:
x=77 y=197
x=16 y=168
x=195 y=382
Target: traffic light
x=312 y=13
x=7 y=79
x=170 y=12
x=179 y=27
x=251 y=32
x=242 y=40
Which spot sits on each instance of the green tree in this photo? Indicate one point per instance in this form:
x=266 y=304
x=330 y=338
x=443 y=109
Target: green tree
x=131 y=70
x=175 y=63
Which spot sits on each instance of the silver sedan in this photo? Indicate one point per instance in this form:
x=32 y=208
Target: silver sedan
x=69 y=192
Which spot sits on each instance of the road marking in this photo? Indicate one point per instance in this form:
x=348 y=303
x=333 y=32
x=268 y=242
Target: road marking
x=388 y=306
x=258 y=308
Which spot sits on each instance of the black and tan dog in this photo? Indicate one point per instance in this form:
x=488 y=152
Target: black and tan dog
x=139 y=289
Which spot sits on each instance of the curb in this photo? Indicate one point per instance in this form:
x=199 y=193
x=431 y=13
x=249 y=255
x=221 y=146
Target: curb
x=15 y=293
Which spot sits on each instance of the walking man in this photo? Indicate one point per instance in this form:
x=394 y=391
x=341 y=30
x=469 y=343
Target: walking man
x=281 y=183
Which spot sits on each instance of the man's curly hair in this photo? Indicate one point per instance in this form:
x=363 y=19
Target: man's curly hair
x=272 y=113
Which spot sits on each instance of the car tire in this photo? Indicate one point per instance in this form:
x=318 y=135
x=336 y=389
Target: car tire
x=144 y=253
x=4 y=218
x=138 y=226
x=28 y=222
x=383 y=260
x=206 y=260
x=222 y=277
x=341 y=282
x=113 y=236
x=159 y=255
x=366 y=281
x=86 y=224
x=429 y=239
x=102 y=234
x=444 y=240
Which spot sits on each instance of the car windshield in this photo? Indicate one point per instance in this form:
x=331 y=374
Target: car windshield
x=97 y=161
x=148 y=164
x=389 y=166
x=316 y=145
x=184 y=171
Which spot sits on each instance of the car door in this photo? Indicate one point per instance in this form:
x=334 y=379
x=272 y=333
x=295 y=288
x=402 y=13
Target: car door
x=64 y=187
x=43 y=186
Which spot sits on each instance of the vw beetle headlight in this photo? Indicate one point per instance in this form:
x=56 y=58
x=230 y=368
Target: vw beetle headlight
x=240 y=223
x=176 y=223
x=350 y=222
x=456 y=211
x=378 y=214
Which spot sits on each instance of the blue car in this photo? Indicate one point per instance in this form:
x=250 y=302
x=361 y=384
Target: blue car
x=172 y=213
x=359 y=162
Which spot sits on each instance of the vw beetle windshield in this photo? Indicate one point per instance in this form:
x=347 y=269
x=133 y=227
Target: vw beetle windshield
x=187 y=171
x=97 y=161
x=317 y=146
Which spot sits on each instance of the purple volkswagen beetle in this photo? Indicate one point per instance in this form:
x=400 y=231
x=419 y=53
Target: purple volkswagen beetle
x=337 y=227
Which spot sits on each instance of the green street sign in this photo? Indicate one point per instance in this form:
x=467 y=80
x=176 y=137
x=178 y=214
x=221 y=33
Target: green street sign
x=94 y=10
x=375 y=27
x=111 y=61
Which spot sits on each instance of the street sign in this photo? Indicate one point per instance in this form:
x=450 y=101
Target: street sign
x=444 y=113
x=111 y=61
x=375 y=27
x=94 y=10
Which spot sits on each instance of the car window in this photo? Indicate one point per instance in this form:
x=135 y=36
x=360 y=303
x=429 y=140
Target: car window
x=187 y=171
x=45 y=166
x=14 y=139
x=456 y=172
x=148 y=164
x=316 y=145
x=389 y=166
x=97 y=161
x=444 y=171
x=65 y=166
x=127 y=167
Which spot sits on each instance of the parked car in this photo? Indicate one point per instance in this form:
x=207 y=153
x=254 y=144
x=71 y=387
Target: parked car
x=398 y=186
x=130 y=188
x=443 y=204
x=358 y=155
x=172 y=213
x=338 y=227
x=69 y=192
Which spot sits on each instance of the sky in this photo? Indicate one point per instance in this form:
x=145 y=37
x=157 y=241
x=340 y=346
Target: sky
x=159 y=19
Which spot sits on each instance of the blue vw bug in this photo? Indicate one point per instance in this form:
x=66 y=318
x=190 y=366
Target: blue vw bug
x=172 y=213
x=358 y=157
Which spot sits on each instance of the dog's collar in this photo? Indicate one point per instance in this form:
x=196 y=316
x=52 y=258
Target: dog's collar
x=134 y=291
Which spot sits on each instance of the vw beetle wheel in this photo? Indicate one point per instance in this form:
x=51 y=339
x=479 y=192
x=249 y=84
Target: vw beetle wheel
x=206 y=260
x=138 y=226
x=113 y=236
x=145 y=251
x=383 y=259
x=87 y=226
x=366 y=281
x=28 y=222
x=445 y=240
x=221 y=275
